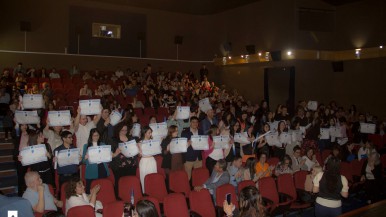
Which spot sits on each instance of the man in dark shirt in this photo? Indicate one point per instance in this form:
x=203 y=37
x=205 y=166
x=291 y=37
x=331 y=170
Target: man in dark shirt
x=193 y=158
x=66 y=173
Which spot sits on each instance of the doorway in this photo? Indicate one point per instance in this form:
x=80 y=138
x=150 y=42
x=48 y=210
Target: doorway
x=279 y=87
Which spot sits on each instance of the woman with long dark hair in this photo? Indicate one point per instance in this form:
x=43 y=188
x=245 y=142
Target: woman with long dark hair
x=93 y=170
x=250 y=204
x=330 y=187
x=212 y=155
x=120 y=164
x=171 y=162
x=145 y=208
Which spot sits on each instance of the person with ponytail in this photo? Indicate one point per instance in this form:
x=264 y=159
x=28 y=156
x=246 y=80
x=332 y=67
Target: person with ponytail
x=250 y=204
x=330 y=186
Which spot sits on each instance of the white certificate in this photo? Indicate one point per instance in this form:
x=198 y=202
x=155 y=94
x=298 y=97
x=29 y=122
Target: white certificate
x=115 y=117
x=273 y=139
x=273 y=125
x=151 y=147
x=285 y=138
x=33 y=101
x=183 y=112
x=59 y=118
x=221 y=142
x=297 y=136
x=200 y=142
x=68 y=157
x=160 y=130
x=136 y=130
x=335 y=132
x=324 y=133
x=129 y=149
x=179 y=145
x=99 y=154
x=241 y=138
x=33 y=154
x=367 y=128
x=27 y=117
x=205 y=105
x=90 y=107
x=312 y=105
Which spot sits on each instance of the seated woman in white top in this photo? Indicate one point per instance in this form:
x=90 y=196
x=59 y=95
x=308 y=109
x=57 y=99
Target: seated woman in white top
x=310 y=160
x=76 y=196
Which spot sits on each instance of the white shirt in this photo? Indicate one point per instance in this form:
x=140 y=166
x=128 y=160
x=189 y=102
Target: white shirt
x=82 y=134
x=82 y=200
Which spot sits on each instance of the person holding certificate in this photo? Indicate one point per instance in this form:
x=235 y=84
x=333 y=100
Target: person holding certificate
x=43 y=168
x=262 y=146
x=66 y=173
x=147 y=164
x=120 y=164
x=234 y=148
x=171 y=162
x=247 y=150
x=193 y=158
x=93 y=171
x=52 y=134
x=212 y=155
x=181 y=124
x=82 y=127
x=280 y=151
x=208 y=121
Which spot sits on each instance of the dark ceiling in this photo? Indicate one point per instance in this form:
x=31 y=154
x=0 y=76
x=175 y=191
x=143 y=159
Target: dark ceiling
x=198 y=7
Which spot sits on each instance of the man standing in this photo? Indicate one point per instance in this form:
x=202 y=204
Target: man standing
x=204 y=72
x=66 y=173
x=193 y=158
x=208 y=121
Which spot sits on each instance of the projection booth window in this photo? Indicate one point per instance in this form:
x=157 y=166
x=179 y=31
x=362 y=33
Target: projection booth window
x=102 y=30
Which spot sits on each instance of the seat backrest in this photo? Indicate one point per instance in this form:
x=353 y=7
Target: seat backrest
x=356 y=166
x=221 y=193
x=383 y=160
x=273 y=161
x=155 y=186
x=244 y=184
x=111 y=176
x=106 y=193
x=63 y=195
x=179 y=182
x=199 y=176
x=154 y=201
x=285 y=184
x=346 y=170
x=51 y=190
x=267 y=187
x=201 y=203
x=300 y=179
x=149 y=110
x=126 y=185
x=114 y=209
x=175 y=205
x=81 y=211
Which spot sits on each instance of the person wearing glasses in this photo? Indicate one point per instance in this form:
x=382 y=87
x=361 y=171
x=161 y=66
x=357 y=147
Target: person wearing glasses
x=66 y=173
x=284 y=167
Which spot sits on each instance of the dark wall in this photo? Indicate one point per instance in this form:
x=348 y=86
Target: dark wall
x=80 y=22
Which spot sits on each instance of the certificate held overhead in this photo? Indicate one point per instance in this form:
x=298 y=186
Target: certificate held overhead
x=90 y=107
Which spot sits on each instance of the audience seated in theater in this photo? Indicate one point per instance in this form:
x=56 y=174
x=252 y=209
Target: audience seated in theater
x=372 y=176
x=263 y=169
x=310 y=160
x=85 y=91
x=54 y=74
x=235 y=171
x=284 y=167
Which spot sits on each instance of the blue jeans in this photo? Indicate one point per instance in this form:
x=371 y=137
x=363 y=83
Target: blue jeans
x=323 y=211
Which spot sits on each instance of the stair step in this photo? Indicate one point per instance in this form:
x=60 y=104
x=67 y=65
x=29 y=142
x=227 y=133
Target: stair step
x=9 y=190
x=8 y=181
x=6 y=173
x=5 y=152
x=6 y=145
x=7 y=166
x=6 y=158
